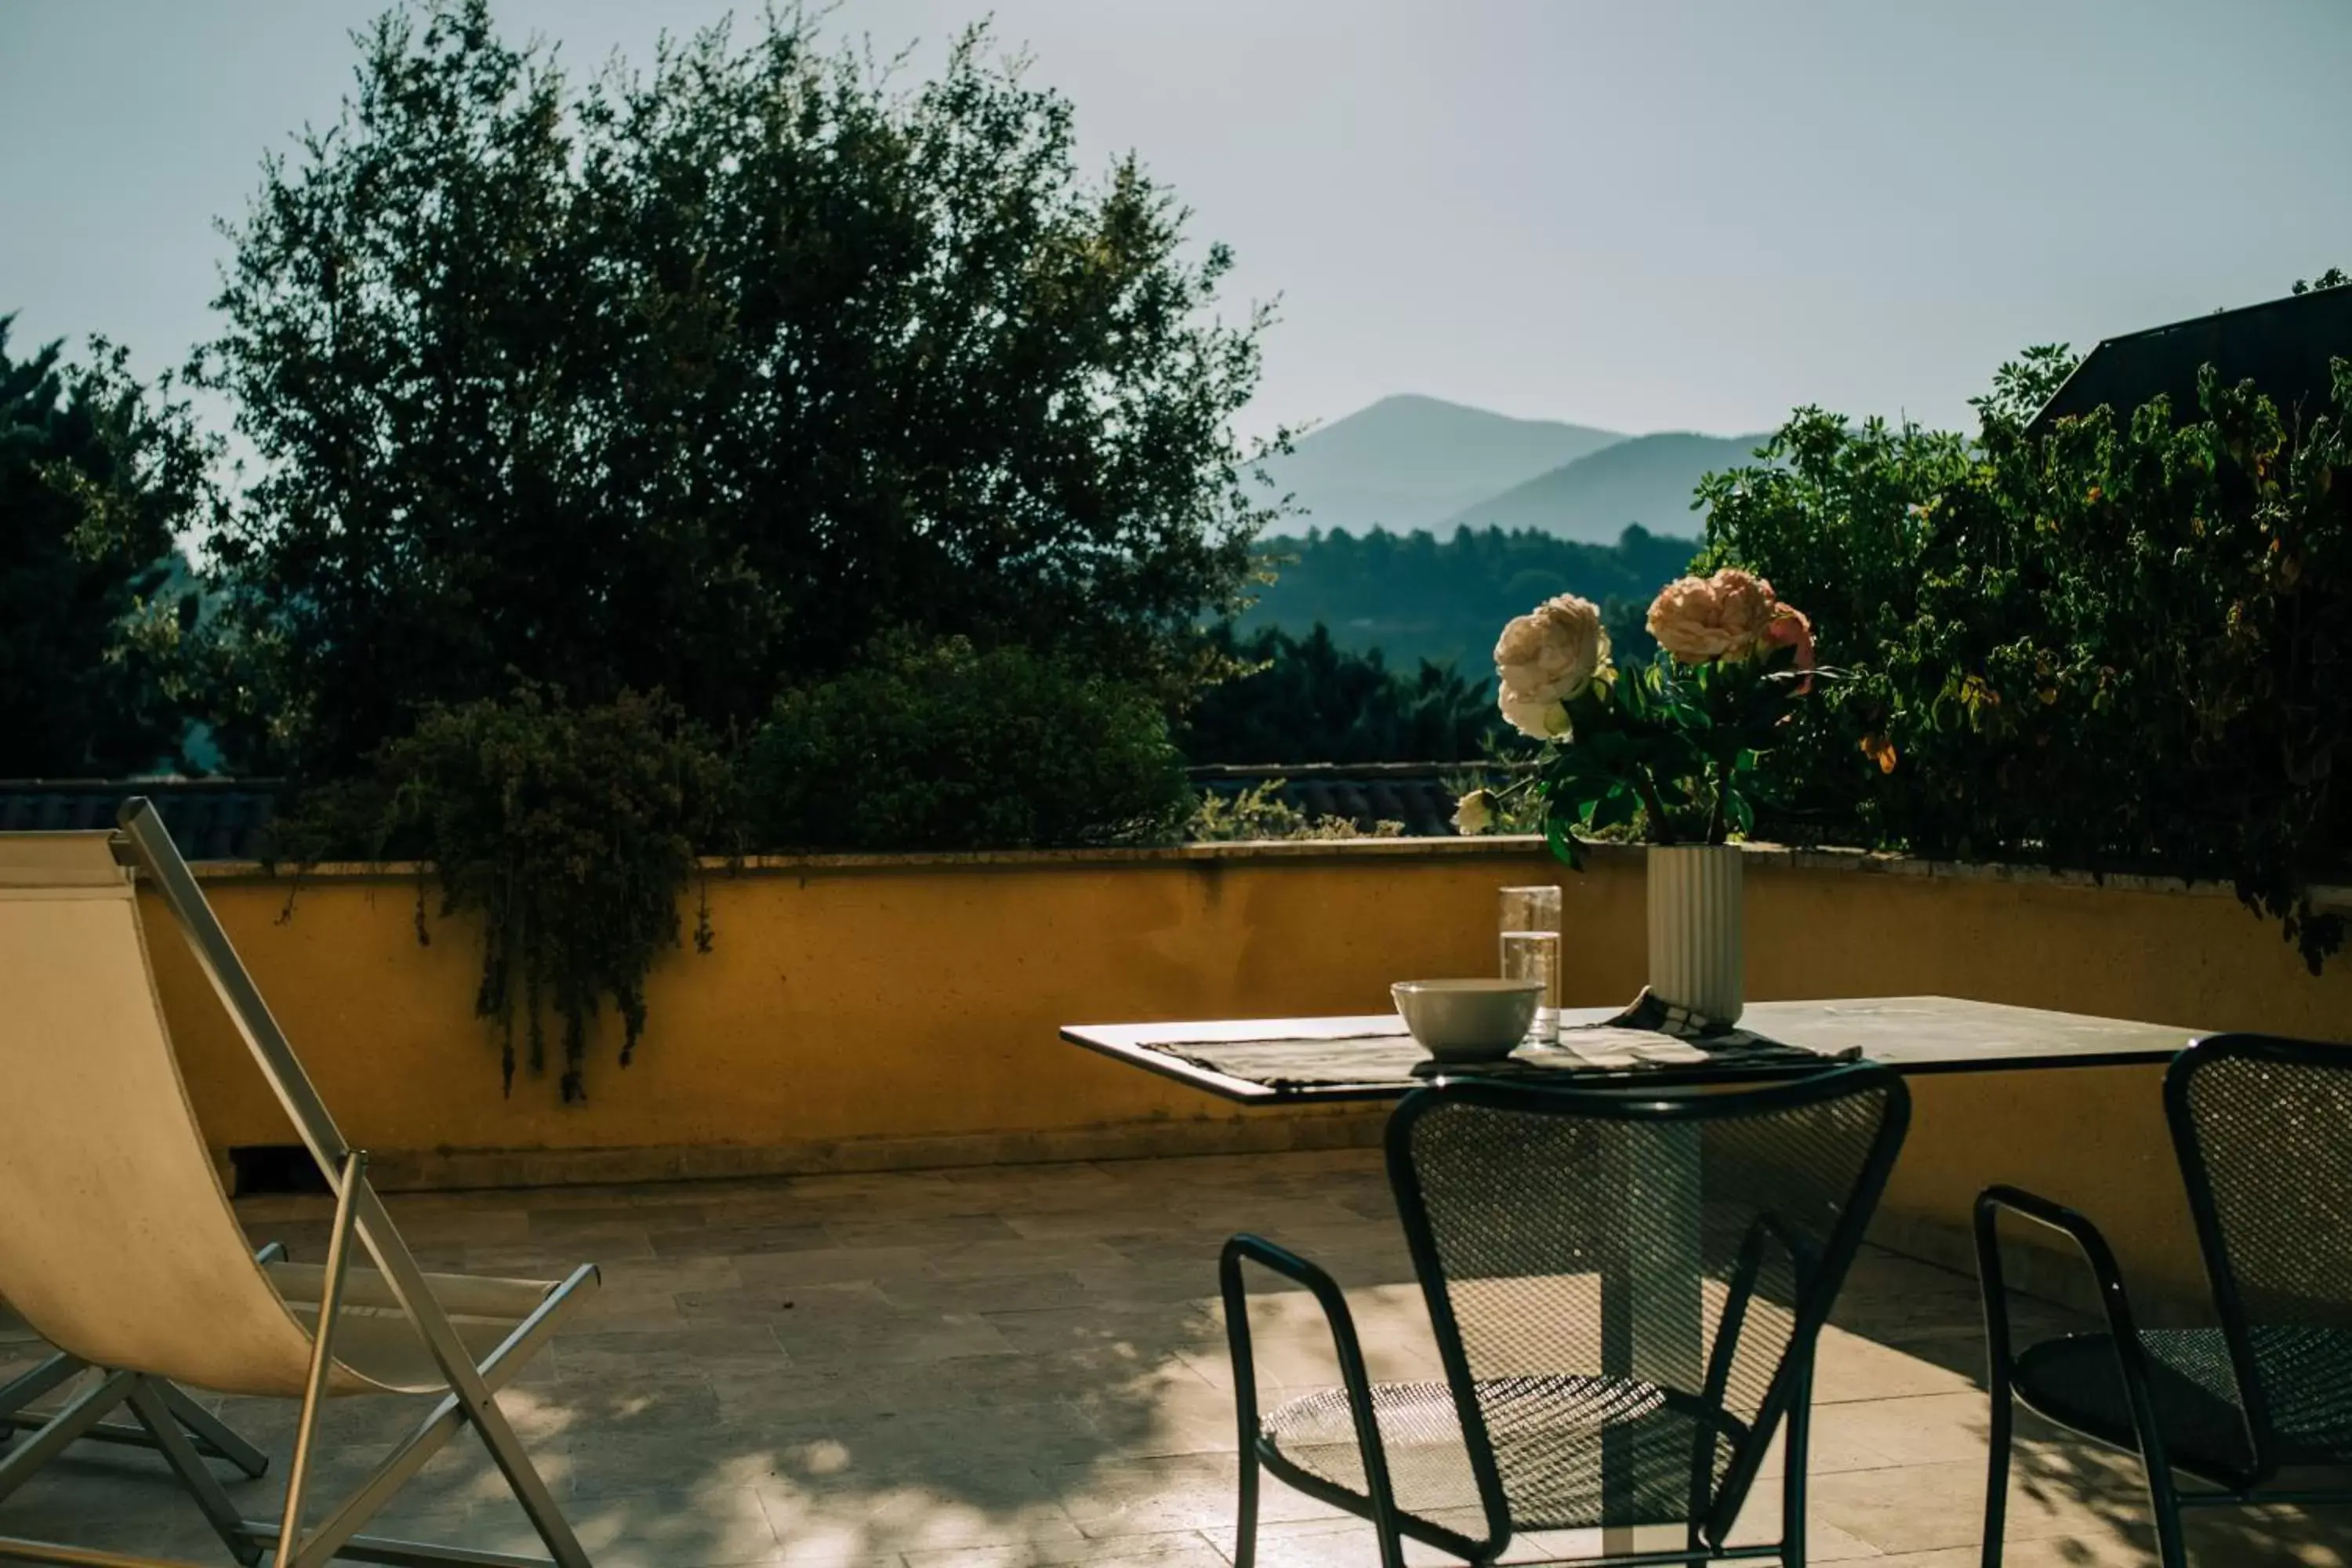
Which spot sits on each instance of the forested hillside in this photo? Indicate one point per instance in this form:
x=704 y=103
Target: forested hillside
x=1414 y=596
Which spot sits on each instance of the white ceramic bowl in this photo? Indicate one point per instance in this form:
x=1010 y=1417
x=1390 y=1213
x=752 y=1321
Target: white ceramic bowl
x=1467 y=1020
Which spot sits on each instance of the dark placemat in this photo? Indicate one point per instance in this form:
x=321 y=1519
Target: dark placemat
x=1649 y=1035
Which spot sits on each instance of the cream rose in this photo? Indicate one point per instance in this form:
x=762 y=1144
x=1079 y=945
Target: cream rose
x=1474 y=812
x=1527 y=715
x=1554 y=652
x=1726 y=616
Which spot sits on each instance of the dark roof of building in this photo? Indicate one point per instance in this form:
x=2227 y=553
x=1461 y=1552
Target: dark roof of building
x=2283 y=346
x=209 y=819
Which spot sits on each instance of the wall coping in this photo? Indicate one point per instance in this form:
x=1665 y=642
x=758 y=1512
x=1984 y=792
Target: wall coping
x=1873 y=862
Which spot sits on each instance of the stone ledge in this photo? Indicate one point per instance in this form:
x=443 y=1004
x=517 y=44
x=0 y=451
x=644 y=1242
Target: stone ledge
x=1872 y=862
x=1255 y=1133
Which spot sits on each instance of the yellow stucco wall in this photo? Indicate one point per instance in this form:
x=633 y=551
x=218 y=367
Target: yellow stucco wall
x=867 y=1015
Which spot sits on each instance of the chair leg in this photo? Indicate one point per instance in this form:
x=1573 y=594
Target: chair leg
x=1796 y=1458
x=457 y=1409
x=163 y=1430
x=2171 y=1550
x=1245 y=1510
x=79 y=1415
x=1996 y=1514
x=212 y=1435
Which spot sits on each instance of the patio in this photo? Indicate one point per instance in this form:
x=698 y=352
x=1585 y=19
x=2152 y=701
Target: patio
x=1017 y=1366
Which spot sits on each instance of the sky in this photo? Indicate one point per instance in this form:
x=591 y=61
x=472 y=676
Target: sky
x=1644 y=215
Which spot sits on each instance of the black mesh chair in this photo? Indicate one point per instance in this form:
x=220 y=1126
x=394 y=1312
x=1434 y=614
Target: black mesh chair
x=1626 y=1289
x=2264 y=1130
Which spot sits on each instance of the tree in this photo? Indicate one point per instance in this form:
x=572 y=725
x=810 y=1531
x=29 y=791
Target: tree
x=98 y=477
x=1305 y=700
x=698 y=380
x=2122 y=644
x=1414 y=596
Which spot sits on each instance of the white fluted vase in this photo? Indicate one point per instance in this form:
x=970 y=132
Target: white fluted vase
x=1696 y=956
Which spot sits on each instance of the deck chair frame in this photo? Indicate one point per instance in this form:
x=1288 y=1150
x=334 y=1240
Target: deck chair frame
x=207 y=1434
x=144 y=844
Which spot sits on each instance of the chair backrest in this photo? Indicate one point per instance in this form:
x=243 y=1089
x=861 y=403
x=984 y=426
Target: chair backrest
x=1662 y=1260
x=116 y=1242
x=2263 y=1128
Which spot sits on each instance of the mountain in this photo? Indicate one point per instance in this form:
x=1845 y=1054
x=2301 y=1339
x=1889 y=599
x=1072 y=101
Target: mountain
x=1644 y=479
x=1411 y=462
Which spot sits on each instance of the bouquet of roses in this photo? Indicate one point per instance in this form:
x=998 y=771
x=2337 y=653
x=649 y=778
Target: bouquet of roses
x=1669 y=747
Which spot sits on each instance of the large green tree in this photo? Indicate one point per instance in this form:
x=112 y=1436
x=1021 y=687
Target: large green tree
x=98 y=477
x=2122 y=644
x=699 y=379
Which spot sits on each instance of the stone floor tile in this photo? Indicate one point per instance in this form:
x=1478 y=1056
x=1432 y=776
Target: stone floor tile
x=1191 y=1492
x=1180 y=1548
x=989 y=1293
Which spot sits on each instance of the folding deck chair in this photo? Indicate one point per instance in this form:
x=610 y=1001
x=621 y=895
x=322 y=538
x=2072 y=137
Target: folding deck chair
x=119 y=1246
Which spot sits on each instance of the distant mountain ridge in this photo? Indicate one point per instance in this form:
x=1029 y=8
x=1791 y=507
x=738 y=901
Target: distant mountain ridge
x=1411 y=461
x=1644 y=479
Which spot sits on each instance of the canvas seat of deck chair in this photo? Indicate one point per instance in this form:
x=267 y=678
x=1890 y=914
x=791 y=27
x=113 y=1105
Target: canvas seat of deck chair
x=119 y=1246
x=21 y=1394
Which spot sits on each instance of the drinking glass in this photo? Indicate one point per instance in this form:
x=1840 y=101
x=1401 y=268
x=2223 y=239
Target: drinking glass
x=1535 y=955
x=1530 y=909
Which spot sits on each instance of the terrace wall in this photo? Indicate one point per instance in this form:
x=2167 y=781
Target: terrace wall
x=862 y=1013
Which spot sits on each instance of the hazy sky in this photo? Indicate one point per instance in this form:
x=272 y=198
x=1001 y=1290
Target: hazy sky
x=1646 y=215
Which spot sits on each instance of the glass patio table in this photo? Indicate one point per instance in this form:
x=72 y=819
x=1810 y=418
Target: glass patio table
x=1370 y=1056
x=1654 y=1326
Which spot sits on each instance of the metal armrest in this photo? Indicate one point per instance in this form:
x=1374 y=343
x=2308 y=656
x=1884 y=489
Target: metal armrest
x=2131 y=1355
x=1353 y=1377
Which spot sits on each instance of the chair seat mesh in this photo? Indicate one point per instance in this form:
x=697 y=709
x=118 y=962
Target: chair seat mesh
x=2075 y=1381
x=1548 y=1433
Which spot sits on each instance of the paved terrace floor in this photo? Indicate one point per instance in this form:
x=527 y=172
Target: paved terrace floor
x=1025 y=1366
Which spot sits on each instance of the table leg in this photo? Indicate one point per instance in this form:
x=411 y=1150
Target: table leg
x=1652 y=1308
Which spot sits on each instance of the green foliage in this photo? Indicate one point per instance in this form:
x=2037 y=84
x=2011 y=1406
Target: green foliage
x=696 y=380
x=1258 y=813
x=1305 y=700
x=571 y=832
x=2127 y=644
x=98 y=477
x=1666 y=747
x=2333 y=278
x=1413 y=596
x=936 y=745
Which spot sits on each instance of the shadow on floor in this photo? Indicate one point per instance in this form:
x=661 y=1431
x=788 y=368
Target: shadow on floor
x=1018 y=1366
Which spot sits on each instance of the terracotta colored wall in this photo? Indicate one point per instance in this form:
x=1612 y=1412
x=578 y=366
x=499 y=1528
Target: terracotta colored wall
x=845 y=1017
x=904 y=1014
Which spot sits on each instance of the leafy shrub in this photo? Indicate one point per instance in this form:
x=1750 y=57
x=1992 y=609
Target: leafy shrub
x=939 y=745
x=1258 y=813
x=571 y=832
x=2125 y=643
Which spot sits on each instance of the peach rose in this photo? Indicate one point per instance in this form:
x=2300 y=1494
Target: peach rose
x=1700 y=619
x=1793 y=628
